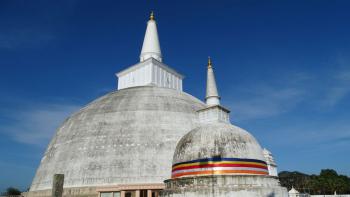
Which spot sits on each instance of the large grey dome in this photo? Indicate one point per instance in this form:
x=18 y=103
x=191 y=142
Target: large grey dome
x=217 y=140
x=127 y=136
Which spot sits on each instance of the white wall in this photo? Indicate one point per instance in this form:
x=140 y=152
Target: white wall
x=214 y=114
x=307 y=195
x=163 y=78
x=272 y=170
x=340 y=195
x=150 y=74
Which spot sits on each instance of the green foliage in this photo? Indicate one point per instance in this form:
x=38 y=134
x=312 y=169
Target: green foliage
x=295 y=179
x=12 y=191
x=327 y=182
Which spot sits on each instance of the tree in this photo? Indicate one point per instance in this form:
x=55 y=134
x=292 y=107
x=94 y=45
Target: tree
x=12 y=191
x=295 y=179
x=327 y=182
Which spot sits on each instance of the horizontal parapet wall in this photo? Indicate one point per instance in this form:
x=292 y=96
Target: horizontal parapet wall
x=223 y=186
x=223 y=180
x=67 y=192
x=94 y=191
x=154 y=186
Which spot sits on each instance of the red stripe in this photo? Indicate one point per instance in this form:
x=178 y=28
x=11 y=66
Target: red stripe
x=219 y=172
x=220 y=165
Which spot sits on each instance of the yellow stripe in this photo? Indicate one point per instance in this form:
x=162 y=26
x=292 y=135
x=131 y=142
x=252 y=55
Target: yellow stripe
x=220 y=162
x=218 y=172
x=224 y=162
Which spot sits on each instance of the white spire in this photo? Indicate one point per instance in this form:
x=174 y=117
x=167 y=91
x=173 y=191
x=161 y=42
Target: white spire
x=213 y=112
x=212 y=96
x=151 y=47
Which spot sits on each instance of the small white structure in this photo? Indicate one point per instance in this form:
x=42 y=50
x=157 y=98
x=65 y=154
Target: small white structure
x=150 y=72
x=293 y=193
x=271 y=164
x=214 y=114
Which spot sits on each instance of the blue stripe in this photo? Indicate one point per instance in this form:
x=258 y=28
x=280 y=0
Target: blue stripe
x=220 y=159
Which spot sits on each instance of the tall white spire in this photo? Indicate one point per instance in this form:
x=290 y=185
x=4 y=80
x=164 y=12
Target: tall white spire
x=151 y=46
x=213 y=112
x=212 y=96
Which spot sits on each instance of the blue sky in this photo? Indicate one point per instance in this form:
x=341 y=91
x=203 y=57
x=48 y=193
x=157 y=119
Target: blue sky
x=282 y=67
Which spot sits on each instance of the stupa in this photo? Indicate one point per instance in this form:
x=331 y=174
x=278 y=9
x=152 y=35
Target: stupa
x=122 y=144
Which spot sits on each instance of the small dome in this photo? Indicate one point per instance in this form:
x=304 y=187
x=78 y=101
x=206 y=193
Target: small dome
x=293 y=191
x=218 y=148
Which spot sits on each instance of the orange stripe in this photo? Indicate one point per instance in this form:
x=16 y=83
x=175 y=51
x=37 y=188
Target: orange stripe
x=219 y=165
x=220 y=162
x=210 y=172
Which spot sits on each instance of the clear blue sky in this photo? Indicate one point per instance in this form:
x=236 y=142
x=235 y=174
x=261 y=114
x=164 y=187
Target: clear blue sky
x=282 y=67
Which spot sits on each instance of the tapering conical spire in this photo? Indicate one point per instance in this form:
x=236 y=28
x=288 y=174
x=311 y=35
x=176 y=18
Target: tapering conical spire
x=151 y=46
x=212 y=96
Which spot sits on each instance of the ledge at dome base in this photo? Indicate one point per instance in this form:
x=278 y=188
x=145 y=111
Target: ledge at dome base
x=224 y=186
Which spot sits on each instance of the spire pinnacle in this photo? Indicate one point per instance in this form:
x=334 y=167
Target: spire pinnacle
x=209 y=62
x=212 y=96
x=151 y=46
x=151 y=17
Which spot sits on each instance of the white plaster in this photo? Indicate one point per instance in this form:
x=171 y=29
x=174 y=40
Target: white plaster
x=150 y=72
x=271 y=164
x=212 y=95
x=214 y=114
x=144 y=115
x=212 y=100
x=293 y=193
x=151 y=46
x=224 y=186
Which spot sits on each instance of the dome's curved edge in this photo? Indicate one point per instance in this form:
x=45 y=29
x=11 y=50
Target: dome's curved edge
x=131 y=88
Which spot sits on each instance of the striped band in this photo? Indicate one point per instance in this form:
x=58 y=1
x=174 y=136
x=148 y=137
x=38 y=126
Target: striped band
x=219 y=166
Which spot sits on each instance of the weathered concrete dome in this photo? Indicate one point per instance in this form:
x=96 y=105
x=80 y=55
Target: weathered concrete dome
x=218 y=149
x=127 y=136
x=217 y=140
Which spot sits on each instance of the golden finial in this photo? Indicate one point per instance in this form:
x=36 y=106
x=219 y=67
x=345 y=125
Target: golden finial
x=209 y=62
x=152 y=16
